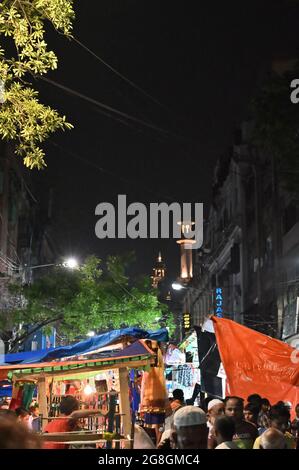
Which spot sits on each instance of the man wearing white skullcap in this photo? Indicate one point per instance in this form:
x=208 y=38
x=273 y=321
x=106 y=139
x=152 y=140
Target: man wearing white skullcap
x=191 y=431
x=216 y=408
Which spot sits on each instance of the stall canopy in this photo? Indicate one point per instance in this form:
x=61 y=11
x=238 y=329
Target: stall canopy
x=137 y=354
x=256 y=363
x=88 y=346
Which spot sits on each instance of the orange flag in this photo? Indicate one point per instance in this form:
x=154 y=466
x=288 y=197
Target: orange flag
x=256 y=363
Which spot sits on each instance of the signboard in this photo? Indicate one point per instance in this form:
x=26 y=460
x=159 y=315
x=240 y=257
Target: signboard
x=186 y=321
x=219 y=302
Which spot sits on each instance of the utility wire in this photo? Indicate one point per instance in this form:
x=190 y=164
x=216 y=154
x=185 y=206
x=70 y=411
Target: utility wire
x=112 y=110
x=120 y=75
x=108 y=172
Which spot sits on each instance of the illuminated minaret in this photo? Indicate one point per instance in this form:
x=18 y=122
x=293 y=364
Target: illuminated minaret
x=186 y=251
x=158 y=272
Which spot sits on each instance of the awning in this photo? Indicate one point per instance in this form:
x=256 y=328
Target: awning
x=84 y=347
x=136 y=355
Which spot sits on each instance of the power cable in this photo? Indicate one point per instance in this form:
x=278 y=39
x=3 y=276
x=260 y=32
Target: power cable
x=109 y=172
x=120 y=75
x=112 y=110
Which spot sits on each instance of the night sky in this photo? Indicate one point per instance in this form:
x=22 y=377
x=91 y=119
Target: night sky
x=201 y=60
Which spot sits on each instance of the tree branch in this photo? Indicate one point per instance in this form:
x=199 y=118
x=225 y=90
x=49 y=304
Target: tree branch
x=36 y=328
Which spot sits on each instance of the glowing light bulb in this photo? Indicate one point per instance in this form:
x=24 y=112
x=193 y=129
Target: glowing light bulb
x=87 y=390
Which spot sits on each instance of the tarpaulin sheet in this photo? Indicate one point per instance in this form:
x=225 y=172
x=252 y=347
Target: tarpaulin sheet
x=256 y=363
x=124 y=356
x=89 y=345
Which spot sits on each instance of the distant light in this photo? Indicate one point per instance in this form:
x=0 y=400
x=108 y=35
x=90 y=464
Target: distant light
x=88 y=390
x=71 y=263
x=90 y=334
x=177 y=286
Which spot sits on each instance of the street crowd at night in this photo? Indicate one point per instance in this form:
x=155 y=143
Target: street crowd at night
x=216 y=424
x=149 y=253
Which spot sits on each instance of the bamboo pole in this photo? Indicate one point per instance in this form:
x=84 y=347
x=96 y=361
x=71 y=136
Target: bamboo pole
x=125 y=402
x=42 y=399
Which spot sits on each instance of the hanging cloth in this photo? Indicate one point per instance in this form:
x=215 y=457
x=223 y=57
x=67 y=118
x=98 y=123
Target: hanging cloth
x=28 y=392
x=154 y=393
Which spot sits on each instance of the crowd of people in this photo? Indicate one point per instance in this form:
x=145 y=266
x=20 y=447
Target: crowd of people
x=230 y=424
x=216 y=424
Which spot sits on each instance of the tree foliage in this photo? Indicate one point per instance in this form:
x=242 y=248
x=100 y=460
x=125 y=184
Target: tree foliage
x=22 y=117
x=94 y=297
x=277 y=126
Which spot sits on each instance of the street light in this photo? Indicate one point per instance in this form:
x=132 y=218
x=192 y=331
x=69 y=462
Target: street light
x=71 y=263
x=177 y=286
x=91 y=334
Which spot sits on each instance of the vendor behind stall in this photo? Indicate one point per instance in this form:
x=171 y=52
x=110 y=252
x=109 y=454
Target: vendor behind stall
x=69 y=409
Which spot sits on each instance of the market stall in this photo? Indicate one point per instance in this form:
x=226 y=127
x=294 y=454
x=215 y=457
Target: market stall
x=104 y=384
x=182 y=366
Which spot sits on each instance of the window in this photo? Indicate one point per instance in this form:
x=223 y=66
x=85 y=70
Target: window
x=291 y=216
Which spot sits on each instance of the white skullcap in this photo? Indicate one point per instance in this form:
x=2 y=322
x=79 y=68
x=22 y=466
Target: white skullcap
x=213 y=403
x=189 y=416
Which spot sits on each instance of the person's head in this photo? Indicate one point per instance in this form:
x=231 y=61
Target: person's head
x=34 y=410
x=68 y=404
x=288 y=405
x=266 y=405
x=251 y=413
x=190 y=425
x=178 y=394
x=297 y=410
x=280 y=403
x=23 y=415
x=4 y=405
x=224 y=428
x=279 y=417
x=215 y=408
x=206 y=402
x=15 y=435
x=273 y=439
x=234 y=408
x=256 y=400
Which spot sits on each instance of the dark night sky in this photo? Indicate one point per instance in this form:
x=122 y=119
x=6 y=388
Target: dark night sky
x=200 y=59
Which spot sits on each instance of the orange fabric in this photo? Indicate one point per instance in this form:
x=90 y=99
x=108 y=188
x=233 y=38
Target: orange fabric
x=58 y=425
x=256 y=363
x=154 y=397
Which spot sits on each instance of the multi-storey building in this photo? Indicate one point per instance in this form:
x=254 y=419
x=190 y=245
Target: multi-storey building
x=247 y=269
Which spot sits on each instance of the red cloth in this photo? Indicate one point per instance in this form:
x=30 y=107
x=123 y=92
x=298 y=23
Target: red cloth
x=256 y=363
x=58 y=425
x=17 y=395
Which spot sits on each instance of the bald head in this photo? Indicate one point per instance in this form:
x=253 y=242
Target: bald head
x=273 y=439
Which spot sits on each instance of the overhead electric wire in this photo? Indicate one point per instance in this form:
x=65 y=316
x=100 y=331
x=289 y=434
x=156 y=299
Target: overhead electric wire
x=120 y=75
x=112 y=110
x=109 y=172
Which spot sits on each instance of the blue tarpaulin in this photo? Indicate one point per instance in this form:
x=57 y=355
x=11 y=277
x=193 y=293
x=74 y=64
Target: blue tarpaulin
x=89 y=345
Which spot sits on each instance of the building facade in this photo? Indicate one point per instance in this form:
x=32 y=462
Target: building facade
x=24 y=240
x=248 y=269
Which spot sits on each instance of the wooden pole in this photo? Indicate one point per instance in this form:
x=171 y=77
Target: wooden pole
x=42 y=400
x=125 y=402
